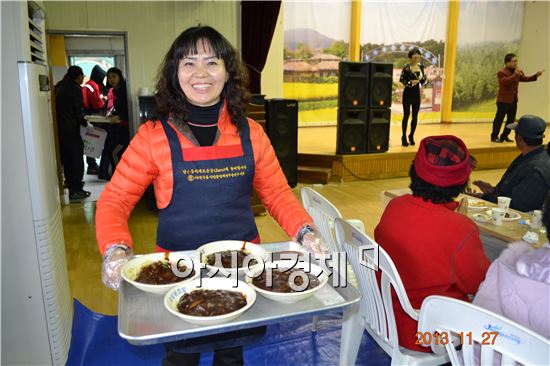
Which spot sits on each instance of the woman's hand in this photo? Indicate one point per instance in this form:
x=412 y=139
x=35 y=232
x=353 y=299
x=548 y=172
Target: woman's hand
x=414 y=82
x=113 y=260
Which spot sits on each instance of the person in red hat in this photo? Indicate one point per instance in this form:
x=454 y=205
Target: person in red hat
x=436 y=250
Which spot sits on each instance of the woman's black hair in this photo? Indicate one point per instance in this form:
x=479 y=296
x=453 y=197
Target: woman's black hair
x=171 y=99
x=116 y=70
x=430 y=192
x=414 y=51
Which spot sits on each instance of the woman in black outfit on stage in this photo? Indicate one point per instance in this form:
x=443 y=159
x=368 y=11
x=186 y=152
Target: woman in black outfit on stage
x=412 y=77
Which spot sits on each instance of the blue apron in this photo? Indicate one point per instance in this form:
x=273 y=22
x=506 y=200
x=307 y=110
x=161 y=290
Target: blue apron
x=212 y=194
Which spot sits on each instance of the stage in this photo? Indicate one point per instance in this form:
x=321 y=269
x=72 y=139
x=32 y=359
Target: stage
x=319 y=163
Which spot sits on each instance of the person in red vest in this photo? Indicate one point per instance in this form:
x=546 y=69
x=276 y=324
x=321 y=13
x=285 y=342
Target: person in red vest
x=94 y=103
x=204 y=157
x=507 y=97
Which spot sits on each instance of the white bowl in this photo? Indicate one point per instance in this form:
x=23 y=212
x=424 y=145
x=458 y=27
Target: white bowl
x=289 y=297
x=173 y=296
x=131 y=270
x=255 y=250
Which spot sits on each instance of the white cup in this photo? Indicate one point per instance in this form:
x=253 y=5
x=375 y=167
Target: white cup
x=536 y=219
x=498 y=215
x=504 y=202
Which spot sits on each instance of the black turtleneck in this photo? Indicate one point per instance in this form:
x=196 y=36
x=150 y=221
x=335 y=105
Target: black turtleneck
x=203 y=122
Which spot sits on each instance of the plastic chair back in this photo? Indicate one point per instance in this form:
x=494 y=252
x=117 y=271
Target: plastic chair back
x=323 y=213
x=486 y=337
x=367 y=258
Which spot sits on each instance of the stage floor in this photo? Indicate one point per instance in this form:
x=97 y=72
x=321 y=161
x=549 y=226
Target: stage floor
x=322 y=140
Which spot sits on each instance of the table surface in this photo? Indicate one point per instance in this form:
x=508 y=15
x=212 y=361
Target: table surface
x=509 y=231
x=143 y=319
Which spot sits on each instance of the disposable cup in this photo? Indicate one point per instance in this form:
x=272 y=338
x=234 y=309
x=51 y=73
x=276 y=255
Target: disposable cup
x=498 y=215
x=504 y=202
x=536 y=219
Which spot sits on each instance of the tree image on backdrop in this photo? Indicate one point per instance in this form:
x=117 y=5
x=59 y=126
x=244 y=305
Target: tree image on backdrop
x=487 y=31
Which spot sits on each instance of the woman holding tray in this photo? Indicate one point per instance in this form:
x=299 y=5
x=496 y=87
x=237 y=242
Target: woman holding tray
x=203 y=158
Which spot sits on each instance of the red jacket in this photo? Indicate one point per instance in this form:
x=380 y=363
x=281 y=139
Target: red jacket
x=91 y=95
x=147 y=160
x=436 y=252
x=508 y=85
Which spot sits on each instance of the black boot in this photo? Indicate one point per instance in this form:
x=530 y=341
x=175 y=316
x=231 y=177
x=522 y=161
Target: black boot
x=404 y=141
x=411 y=140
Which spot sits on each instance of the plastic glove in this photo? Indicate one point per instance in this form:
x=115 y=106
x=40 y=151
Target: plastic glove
x=311 y=240
x=89 y=127
x=113 y=260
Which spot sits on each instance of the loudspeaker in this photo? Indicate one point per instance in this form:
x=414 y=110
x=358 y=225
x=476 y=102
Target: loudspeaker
x=378 y=130
x=352 y=131
x=380 y=85
x=282 y=130
x=353 y=83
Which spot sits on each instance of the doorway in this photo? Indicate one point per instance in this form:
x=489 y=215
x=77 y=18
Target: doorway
x=88 y=50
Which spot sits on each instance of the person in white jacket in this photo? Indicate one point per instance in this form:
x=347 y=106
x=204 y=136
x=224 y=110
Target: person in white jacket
x=517 y=284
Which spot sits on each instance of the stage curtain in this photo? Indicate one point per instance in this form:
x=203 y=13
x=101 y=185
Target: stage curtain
x=258 y=20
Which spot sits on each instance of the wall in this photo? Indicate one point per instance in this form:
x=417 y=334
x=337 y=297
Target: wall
x=151 y=28
x=534 y=55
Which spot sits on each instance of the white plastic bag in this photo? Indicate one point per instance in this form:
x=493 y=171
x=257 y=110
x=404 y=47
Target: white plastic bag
x=94 y=140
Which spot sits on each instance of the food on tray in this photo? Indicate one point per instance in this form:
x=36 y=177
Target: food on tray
x=211 y=302
x=160 y=272
x=281 y=280
x=476 y=203
x=226 y=258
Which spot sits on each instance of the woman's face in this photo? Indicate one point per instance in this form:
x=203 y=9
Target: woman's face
x=202 y=76
x=415 y=58
x=113 y=79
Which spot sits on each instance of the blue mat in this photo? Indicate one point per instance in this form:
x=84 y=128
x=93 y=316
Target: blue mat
x=95 y=342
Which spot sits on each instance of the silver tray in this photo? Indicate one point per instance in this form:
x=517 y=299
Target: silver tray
x=143 y=320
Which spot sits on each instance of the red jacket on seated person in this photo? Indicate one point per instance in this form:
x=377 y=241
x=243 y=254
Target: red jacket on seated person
x=436 y=250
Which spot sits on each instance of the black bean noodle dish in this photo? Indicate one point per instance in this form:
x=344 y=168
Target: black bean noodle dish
x=281 y=280
x=211 y=302
x=225 y=258
x=160 y=272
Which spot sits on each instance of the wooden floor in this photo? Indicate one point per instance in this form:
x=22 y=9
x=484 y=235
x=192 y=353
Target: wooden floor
x=359 y=200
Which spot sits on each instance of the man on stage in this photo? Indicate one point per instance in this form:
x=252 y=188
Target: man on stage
x=507 y=97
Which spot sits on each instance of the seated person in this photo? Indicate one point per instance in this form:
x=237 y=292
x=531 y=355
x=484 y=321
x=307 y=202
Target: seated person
x=518 y=283
x=527 y=179
x=436 y=250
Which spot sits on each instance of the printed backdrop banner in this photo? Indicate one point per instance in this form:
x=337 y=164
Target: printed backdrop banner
x=487 y=31
x=389 y=30
x=316 y=39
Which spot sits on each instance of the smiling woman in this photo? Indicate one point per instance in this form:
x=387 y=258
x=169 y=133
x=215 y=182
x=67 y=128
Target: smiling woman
x=203 y=157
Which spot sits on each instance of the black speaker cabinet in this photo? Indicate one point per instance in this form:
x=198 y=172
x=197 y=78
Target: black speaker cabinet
x=380 y=85
x=282 y=129
x=378 y=130
x=353 y=83
x=352 y=131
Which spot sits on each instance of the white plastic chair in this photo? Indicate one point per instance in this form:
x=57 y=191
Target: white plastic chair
x=323 y=213
x=514 y=341
x=376 y=309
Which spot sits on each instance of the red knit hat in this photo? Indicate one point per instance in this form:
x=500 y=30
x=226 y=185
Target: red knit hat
x=443 y=161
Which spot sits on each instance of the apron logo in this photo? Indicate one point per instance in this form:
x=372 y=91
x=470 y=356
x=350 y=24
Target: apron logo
x=226 y=172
